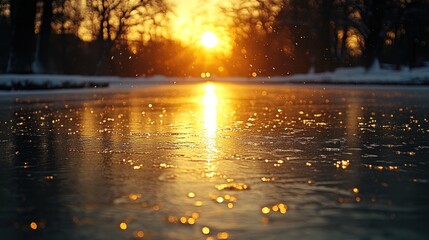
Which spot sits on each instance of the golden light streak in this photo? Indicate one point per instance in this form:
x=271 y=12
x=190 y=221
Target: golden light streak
x=210 y=103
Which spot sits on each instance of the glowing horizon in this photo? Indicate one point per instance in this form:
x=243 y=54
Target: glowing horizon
x=191 y=21
x=186 y=22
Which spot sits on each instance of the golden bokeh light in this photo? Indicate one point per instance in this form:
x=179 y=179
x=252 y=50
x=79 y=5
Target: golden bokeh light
x=209 y=40
x=33 y=225
x=205 y=230
x=222 y=235
x=191 y=195
x=265 y=210
x=123 y=226
x=139 y=234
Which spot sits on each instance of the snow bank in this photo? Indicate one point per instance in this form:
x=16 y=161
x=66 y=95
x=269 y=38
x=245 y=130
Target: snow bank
x=359 y=75
x=58 y=79
x=356 y=75
x=45 y=81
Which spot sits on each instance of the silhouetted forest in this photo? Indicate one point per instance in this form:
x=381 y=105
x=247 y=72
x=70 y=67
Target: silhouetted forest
x=270 y=37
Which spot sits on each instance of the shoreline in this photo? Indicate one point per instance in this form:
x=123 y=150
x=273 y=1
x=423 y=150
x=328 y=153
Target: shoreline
x=357 y=76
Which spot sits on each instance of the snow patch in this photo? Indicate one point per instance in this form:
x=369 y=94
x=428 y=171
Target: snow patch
x=355 y=75
x=359 y=75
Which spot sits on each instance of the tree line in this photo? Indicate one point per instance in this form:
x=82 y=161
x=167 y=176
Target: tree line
x=271 y=37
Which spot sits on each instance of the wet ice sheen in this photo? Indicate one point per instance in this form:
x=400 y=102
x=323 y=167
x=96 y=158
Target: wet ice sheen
x=216 y=161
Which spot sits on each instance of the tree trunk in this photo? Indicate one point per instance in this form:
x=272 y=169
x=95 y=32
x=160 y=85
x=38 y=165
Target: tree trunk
x=324 y=61
x=104 y=50
x=42 y=48
x=21 y=55
x=101 y=42
x=374 y=41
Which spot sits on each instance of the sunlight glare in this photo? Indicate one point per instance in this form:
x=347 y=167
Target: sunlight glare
x=209 y=103
x=210 y=112
x=209 y=39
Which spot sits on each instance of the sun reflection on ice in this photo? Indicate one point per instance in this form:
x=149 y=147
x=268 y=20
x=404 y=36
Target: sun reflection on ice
x=210 y=103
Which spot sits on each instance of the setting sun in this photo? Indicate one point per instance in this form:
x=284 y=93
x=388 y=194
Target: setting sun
x=209 y=39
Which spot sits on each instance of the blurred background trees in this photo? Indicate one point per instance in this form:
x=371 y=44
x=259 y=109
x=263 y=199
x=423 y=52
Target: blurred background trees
x=22 y=37
x=266 y=37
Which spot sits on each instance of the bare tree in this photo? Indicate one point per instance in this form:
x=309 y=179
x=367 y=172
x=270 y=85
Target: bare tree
x=67 y=16
x=251 y=17
x=374 y=40
x=114 y=18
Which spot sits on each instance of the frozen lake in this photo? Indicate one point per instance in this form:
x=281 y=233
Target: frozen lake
x=216 y=161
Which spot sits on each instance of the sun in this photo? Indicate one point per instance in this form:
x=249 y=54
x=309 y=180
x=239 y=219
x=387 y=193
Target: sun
x=209 y=40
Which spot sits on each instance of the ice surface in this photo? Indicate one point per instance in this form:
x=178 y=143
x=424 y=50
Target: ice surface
x=232 y=161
